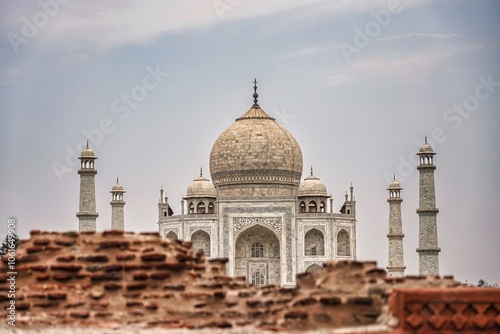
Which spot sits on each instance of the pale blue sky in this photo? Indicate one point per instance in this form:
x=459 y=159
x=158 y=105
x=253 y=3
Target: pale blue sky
x=357 y=118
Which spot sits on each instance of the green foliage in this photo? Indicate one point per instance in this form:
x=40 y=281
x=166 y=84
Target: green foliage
x=8 y=242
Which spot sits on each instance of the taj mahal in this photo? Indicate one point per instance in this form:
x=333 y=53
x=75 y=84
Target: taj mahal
x=262 y=215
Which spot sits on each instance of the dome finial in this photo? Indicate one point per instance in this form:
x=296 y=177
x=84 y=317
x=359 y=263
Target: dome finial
x=311 y=170
x=88 y=143
x=425 y=139
x=117 y=179
x=394 y=178
x=255 y=95
x=201 y=170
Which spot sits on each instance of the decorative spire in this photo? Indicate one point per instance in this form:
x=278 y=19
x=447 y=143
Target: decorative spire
x=425 y=140
x=201 y=170
x=88 y=143
x=255 y=95
x=394 y=178
x=311 y=170
x=117 y=180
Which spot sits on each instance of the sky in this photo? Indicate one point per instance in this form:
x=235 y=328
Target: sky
x=359 y=83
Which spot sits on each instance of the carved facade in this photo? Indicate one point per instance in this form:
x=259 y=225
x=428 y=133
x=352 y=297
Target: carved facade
x=257 y=212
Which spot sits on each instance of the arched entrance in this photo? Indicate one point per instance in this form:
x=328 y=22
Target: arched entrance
x=257 y=255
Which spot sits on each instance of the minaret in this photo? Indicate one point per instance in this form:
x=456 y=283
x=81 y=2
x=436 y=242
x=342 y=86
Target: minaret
x=87 y=214
x=428 y=249
x=396 y=266
x=117 y=207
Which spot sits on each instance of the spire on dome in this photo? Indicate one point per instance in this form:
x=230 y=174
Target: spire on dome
x=88 y=143
x=201 y=170
x=255 y=95
x=425 y=139
x=311 y=170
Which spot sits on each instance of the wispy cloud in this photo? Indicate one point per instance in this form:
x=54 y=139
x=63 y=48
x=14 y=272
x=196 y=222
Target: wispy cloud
x=298 y=53
x=414 y=36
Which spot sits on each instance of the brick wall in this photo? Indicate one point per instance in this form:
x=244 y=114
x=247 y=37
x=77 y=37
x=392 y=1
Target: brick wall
x=116 y=279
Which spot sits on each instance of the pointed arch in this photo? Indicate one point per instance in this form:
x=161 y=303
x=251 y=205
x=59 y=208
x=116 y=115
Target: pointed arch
x=201 y=242
x=211 y=207
x=314 y=268
x=200 y=208
x=302 y=207
x=191 y=207
x=313 y=207
x=171 y=235
x=314 y=243
x=343 y=243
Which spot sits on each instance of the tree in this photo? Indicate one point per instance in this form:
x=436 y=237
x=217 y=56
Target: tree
x=8 y=242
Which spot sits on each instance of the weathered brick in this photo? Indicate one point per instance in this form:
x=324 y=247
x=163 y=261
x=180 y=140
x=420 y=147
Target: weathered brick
x=152 y=306
x=254 y=303
x=22 y=306
x=67 y=267
x=153 y=257
x=94 y=258
x=38 y=267
x=296 y=315
x=141 y=276
x=175 y=287
x=136 y=286
x=57 y=295
x=112 y=286
x=125 y=257
x=34 y=249
x=70 y=234
x=360 y=300
x=113 y=276
x=305 y=301
x=114 y=243
x=330 y=300
x=41 y=242
x=65 y=258
x=112 y=267
x=103 y=314
x=134 y=303
x=27 y=258
x=74 y=304
x=113 y=233
x=175 y=266
x=62 y=277
x=52 y=248
x=79 y=314
x=65 y=242
x=42 y=277
x=136 y=266
x=45 y=304
x=160 y=275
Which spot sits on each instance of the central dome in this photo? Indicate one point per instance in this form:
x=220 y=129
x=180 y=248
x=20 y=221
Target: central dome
x=256 y=149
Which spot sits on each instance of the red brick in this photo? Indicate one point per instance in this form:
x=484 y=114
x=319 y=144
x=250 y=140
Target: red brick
x=175 y=287
x=65 y=242
x=134 y=303
x=113 y=233
x=112 y=267
x=35 y=232
x=57 y=295
x=52 y=248
x=38 y=267
x=22 y=306
x=26 y=258
x=45 y=304
x=42 y=277
x=74 y=304
x=125 y=256
x=330 y=300
x=175 y=266
x=67 y=267
x=122 y=244
x=62 y=277
x=151 y=306
x=136 y=286
x=79 y=314
x=112 y=286
x=103 y=314
x=94 y=258
x=34 y=249
x=106 y=277
x=160 y=275
x=70 y=234
x=141 y=276
x=137 y=266
x=41 y=242
x=153 y=257
x=305 y=301
x=296 y=315
x=65 y=258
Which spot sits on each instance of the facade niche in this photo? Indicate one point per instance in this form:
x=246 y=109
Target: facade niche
x=201 y=242
x=343 y=243
x=314 y=243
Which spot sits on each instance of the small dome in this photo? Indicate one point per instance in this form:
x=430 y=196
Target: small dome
x=394 y=184
x=117 y=187
x=425 y=148
x=201 y=187
x=87 y=152
x=311 y=186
